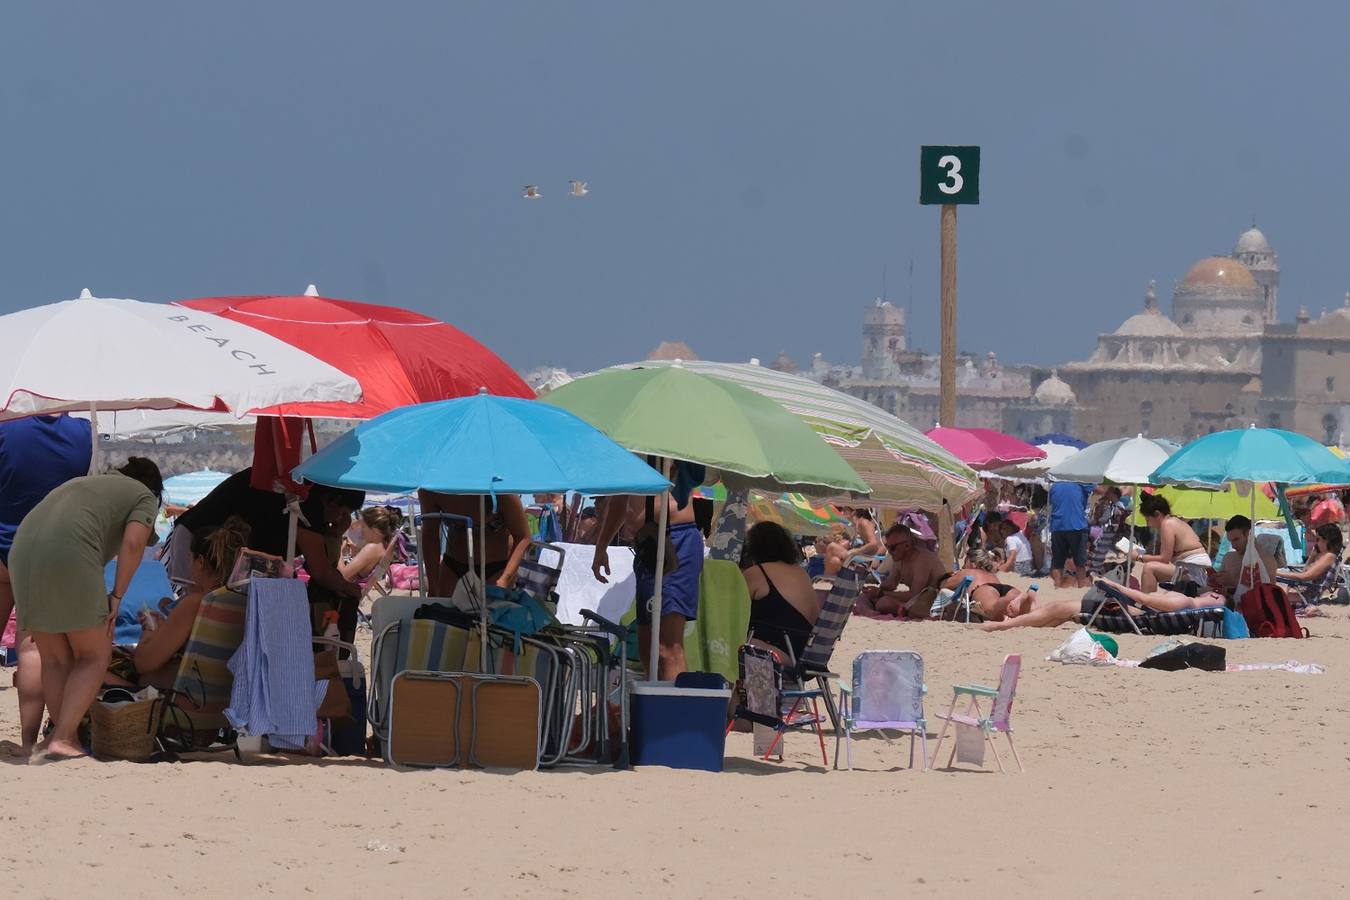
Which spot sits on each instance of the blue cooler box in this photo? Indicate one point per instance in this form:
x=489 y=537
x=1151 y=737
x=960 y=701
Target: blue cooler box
x=678 y=726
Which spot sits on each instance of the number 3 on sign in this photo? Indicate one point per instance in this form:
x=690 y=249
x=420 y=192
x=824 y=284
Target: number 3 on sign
x=949 y=175
x=953 y=182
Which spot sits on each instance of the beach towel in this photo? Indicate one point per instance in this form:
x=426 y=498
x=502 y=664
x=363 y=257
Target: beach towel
x=274 y=691
x=712 y=640
x=578 y=589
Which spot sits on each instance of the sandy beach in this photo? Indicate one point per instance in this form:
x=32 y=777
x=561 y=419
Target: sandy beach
x=1137 y=782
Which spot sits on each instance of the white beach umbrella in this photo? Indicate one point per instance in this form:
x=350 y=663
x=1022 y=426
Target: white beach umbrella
x=1036 y=469
x=1117 y=461
x=104 y=354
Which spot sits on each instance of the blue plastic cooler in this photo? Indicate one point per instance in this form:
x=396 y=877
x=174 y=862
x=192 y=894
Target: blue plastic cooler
x=681 y=724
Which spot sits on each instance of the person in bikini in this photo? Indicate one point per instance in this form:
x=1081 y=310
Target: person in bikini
x=1180 y=554
x=502 y=540
x=1035 y=612
x=917 y=568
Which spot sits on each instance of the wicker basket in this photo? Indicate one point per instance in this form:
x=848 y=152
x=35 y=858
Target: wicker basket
x=123 y=730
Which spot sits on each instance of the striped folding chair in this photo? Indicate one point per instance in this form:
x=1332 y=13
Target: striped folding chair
x=814 y=666
x=537 y=578
x=191 y=712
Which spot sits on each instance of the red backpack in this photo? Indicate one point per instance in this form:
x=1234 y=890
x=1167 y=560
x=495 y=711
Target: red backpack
x=1269 y=613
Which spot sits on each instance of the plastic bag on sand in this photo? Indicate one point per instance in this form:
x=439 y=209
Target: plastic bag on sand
x=1081 y=649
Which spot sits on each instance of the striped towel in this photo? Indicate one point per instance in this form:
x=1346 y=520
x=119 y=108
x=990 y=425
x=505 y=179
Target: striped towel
x=273 y=669
x=203 y=674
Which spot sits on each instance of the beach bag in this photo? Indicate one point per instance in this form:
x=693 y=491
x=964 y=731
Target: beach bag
x=1082 y=649
x=1234 y=626
x=644 y=544
x=1206 y=657
x=1269 y=613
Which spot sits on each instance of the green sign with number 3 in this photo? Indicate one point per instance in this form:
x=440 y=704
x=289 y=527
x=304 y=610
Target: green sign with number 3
x=949 y=175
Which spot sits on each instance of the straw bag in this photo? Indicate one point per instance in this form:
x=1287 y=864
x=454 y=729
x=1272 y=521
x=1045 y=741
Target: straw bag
x=123 y=730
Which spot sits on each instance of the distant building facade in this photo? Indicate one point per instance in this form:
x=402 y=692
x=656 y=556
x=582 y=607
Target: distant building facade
x=1221 y=359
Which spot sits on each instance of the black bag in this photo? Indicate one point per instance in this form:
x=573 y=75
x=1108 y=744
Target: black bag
x=644 y=544
x=1206 y=657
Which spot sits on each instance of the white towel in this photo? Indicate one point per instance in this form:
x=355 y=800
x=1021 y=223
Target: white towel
x=578 y=589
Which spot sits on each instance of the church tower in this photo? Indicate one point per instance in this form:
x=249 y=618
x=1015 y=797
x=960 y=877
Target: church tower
x=1255 y=252
x=883 y=337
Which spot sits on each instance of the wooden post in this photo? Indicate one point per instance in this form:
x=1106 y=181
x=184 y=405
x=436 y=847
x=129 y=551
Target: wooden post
x=947 y=371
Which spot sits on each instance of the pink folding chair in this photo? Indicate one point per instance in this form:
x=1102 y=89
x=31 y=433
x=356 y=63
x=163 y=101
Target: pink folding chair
x=1000 y=715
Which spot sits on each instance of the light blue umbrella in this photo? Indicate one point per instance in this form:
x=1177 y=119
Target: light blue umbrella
x=191 y=487
x=1252 y=454
x=480 y=445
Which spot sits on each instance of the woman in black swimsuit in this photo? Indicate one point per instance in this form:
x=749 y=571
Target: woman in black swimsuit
x=783 y=603
x=506 y=539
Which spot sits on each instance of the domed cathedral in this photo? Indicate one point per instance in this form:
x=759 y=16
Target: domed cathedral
x=1193 y=373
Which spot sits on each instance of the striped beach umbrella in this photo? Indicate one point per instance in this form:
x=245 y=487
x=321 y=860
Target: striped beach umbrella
x=902 y=466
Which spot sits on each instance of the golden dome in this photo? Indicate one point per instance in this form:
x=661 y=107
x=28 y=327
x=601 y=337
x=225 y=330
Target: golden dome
x=1219 y=272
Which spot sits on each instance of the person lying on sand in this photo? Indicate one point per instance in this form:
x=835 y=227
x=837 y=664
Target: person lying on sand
x=1039 y=613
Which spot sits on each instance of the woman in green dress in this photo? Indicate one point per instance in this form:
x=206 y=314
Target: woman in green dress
x=56 y=567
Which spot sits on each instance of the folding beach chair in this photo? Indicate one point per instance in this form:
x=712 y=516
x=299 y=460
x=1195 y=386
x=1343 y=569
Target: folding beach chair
x=814 y=666
x=764 y=700
x=957 y=605
x=1000 y=715
x=538 y=579
x=886 y=693
x=191 y=715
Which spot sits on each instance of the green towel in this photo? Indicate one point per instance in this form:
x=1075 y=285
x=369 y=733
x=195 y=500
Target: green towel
x=712 y=641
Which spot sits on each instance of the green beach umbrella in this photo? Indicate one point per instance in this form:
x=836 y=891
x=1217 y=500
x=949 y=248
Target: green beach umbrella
x=903 y=466
x=678 y=414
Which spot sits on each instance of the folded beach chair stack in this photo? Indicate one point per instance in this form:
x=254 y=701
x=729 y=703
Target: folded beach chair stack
x=578 y=674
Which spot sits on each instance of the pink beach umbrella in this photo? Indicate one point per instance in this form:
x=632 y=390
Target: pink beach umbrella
x=984 y=448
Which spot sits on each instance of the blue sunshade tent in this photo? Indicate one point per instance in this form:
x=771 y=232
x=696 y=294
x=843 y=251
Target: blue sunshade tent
x=480 y=445
x=1252 y=454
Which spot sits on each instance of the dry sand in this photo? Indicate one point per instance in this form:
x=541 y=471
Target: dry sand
x=1138 y=783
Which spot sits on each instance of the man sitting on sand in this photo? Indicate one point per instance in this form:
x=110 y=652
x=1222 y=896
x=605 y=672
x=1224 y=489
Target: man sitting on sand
x=1039 y=613
x=917 y=568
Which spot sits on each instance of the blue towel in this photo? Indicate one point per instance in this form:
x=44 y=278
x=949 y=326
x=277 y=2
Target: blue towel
x=274 y=687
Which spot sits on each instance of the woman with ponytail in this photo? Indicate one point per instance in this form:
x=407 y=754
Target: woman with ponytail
x=375 y=531
x=214 y=551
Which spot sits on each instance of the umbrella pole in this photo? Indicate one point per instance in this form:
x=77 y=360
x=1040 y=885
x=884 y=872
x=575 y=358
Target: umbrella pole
x=662 y=519
x=93 y=439
x=482 y=572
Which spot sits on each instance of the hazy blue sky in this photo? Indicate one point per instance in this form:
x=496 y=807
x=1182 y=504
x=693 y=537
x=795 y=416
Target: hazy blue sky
x=753 y=166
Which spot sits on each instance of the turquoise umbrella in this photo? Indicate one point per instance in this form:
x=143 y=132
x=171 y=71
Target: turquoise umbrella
x=480 y=445
x=1252 y=454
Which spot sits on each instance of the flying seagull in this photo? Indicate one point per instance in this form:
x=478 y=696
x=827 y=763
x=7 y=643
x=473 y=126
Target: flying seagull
x=578 y=188
x=531 y=192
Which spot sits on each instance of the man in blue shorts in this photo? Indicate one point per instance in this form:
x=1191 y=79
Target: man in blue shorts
x=37 y=455
x=679 y=589
x=1069 y=532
